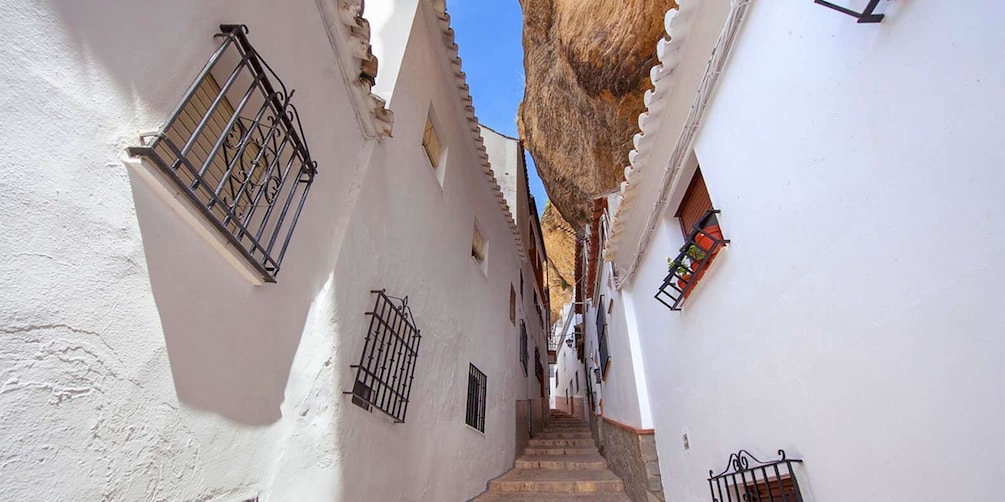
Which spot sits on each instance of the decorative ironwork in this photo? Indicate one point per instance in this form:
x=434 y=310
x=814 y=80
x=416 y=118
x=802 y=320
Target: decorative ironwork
x=523 y=346
x=866 y=16
x=605 y=355
x=747 y=479
x=237 y=152
x=475 y=413
x=386 y=367
x=693 y=260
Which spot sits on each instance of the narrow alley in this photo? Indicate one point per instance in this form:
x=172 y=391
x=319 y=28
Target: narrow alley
x=502 y=250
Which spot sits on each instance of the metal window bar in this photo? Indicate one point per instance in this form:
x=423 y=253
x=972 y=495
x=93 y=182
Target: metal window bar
x=237 y=151
x=523 y=346
x=747 y=479
x=538 y=367
x=691 y=262
x=867 y=15
x=386 y=367
x=605 y=355
x=475 y=413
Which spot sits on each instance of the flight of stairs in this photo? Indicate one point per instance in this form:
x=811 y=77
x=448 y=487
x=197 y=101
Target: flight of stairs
x=561 y=463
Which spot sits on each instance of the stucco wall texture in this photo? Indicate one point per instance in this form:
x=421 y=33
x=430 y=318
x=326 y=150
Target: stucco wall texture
x=838 y=324
x=136 y=364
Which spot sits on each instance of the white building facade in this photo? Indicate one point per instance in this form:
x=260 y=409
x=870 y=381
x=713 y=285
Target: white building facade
x=151 y=351
x=845 y=321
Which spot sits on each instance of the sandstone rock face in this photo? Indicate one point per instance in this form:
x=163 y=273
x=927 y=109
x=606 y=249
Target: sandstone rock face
x=587 y=64
x=560 y=241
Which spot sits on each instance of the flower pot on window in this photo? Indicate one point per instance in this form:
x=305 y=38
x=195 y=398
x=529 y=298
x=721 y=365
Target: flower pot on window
x=709 y=238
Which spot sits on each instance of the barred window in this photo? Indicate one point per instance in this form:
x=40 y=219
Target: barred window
x=235 y=147
x=475 y=413
x=523 y=346
x=387 y=365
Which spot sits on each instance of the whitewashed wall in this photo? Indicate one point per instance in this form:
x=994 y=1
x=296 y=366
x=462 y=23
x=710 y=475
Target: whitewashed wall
x=624 y=400
x=412 y=236
x=135 y=364
x=506 y=157
x=856 y=318
x=567 y=363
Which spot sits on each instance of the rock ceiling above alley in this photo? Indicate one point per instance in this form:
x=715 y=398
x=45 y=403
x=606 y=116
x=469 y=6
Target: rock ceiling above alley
x=587 y=64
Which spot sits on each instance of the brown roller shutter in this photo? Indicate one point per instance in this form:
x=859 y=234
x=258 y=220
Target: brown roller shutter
x=694 y=205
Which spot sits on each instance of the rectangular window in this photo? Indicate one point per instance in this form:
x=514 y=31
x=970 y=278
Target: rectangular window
x=387 y=365
x=523 y=346
x=234 y=146
x=478 y=246
x=748 y=478
x=703 y=240
x=475 y=413
x=431 y=143
x=512 y=304
x=538 y=367
x=605 y=356
x=695 y=204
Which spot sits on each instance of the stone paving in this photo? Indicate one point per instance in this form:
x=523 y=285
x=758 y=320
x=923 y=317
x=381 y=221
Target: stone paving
x=561 y=463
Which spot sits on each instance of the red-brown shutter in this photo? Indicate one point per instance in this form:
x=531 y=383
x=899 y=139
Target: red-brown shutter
x=695 y=204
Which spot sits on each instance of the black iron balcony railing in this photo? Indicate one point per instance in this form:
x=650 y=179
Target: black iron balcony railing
x=386 y=367
x=235 y=147
x=694 y=258
x=746 y=478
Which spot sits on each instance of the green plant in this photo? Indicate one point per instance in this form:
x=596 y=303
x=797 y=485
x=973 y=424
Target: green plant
x=678 y=269
x=695 y=253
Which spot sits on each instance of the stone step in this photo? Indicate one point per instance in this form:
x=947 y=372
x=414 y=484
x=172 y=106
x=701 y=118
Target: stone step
x=551 y=443
x=559 y=450
x=564 y=435
x=551 y=497
x=591 y=462
x=557 y=481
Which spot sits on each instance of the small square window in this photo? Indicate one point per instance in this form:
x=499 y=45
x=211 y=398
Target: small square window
x=431 y=143
x=478 y=246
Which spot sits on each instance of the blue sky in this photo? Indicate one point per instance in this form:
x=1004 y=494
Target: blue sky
x=488 y=33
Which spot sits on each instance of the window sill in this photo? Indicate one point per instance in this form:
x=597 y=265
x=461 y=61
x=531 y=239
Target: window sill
x=476 y=431
x=179 y=203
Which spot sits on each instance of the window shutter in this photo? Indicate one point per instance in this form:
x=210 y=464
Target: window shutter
x=695 y=204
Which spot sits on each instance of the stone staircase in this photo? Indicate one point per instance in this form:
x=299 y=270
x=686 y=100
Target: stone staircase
x=561 y=463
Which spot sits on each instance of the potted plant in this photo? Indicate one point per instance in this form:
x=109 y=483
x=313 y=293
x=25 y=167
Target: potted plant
x=682 y=272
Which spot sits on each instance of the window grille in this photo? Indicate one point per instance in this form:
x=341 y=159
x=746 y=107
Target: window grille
x=387 y=365
x=691 y=263
x=538 y=367
x=746 y=478
x=523 y=346
x=235 y=147
x=475 y=415
x=605 y=355
x=512 y=304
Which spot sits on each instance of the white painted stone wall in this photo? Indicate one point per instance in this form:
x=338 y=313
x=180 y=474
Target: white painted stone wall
x=856 y=318
x=135 y=364
x=567 y=363
x=622 y=398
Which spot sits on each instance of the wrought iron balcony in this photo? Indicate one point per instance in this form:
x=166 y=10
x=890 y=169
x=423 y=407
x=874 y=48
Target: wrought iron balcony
x=693 y=260
x=749 y=479
x=235 y=148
